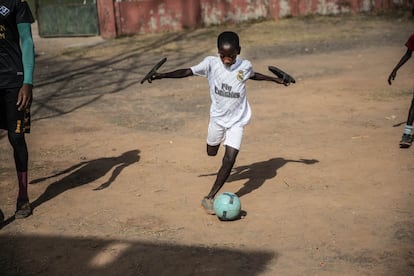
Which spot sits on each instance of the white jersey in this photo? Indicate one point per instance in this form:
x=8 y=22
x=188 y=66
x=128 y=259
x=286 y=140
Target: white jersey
x=229 y=103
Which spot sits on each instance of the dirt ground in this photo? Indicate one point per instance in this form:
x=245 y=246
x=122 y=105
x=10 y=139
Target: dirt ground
x=118 y=169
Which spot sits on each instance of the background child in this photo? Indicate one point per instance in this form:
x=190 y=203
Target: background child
x=407 y=136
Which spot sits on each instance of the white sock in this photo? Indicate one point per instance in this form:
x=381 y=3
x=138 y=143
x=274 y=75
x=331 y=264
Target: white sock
x=408 y=129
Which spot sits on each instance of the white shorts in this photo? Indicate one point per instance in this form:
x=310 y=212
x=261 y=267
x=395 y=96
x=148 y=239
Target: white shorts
x=231 y=136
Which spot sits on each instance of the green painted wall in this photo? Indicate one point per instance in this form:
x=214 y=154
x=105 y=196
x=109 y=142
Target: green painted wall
x=67 y=18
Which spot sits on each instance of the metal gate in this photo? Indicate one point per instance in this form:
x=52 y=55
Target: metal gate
x=67 y=18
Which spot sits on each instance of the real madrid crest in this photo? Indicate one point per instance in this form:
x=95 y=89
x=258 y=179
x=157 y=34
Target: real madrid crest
x=240 y=75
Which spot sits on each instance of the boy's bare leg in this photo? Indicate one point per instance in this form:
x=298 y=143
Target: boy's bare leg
x=410 y=118
x=227 y=165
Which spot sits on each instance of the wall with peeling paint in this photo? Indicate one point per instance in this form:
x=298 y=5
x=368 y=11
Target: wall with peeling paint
x=118 y=17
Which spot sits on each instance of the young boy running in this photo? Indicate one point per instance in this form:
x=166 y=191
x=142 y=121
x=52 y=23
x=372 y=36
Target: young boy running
x=229 y=110
x=16 y=74
x=407 y=136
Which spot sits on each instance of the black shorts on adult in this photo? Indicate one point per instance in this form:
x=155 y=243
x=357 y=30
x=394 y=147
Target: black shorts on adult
x=12 y=119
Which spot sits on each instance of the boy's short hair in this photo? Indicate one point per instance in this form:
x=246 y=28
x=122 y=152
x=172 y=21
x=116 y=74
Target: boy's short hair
x=228 y=37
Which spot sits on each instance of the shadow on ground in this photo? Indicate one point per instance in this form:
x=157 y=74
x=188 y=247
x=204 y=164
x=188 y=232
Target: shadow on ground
x=93 y=256
x=81 y=174
x=256 y=174
x=86 y=172
x=75 y=79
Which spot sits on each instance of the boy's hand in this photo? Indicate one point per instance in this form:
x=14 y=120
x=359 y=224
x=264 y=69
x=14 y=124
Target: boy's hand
x=287 y=79
x=24 y=99
x=286 y=83
x=280 y=81
x=156 y=76
x=153 y=72
x=392 y=77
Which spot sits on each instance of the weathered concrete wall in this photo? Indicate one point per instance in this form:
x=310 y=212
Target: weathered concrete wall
x=216 y=12
x=106 y=14
x=143 y=16
x=119 y=17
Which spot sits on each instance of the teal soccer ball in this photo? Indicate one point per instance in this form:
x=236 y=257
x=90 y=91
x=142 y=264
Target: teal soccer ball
x=227 y=206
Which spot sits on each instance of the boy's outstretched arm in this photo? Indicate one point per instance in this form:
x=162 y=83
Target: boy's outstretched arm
x=180 y=73
x=402 y=61
x=260 y=77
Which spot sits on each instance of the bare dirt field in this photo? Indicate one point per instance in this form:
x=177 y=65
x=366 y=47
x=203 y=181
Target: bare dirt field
x=118 y=169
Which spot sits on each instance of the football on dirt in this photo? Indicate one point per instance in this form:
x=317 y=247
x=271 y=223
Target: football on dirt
x=227 y=206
